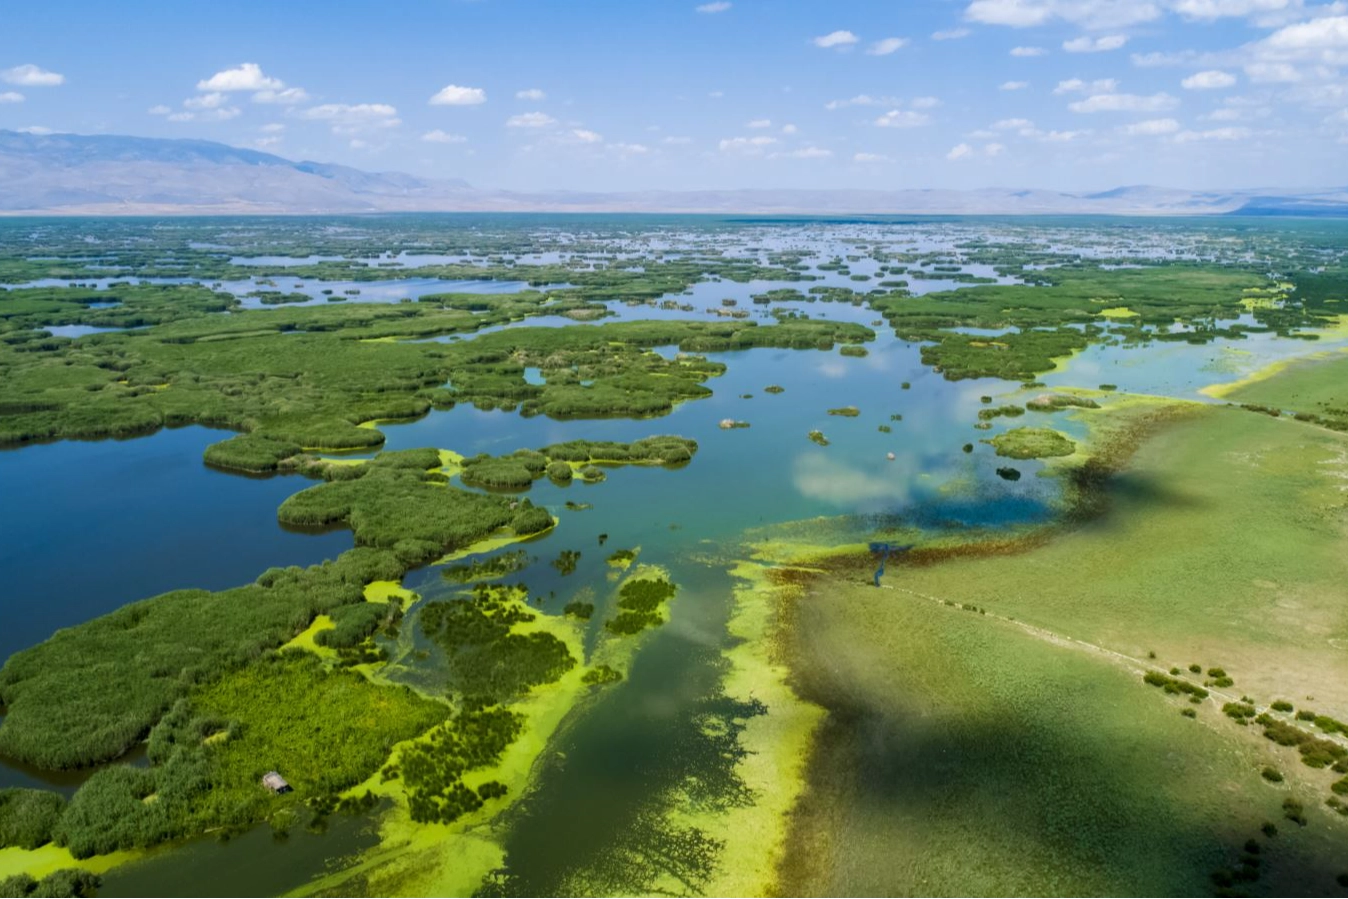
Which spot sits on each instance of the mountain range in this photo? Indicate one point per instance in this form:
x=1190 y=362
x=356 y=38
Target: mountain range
x=77 y=174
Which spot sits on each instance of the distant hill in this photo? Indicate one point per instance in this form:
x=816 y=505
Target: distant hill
x=111 y=175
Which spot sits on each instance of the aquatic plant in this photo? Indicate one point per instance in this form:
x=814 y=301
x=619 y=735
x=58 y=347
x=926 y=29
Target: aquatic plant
x=27 y=816
x=1032 y=443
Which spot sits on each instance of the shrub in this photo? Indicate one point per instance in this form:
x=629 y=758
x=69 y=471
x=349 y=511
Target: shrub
x=28 y=816
x=1272 y=775
x=1282 y=705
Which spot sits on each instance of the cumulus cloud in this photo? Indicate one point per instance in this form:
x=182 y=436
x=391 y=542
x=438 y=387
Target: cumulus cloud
x=902 y=118
x=1012 y=124
x=752 y=146
x=789 y=129
x=1151 y=127
x=1092 y=15
x=1125 y=103
x=836 y=40
x=1013 y=85
x=347 y=118
x=1208 y=10
x=29 y=75
x=1077 y=86
x=1226 y=134
x=925 y=102
x=863 y=100
x=287 y=97
x=1027 y=51
x=870 y=157
x=457 y=95
x=1095 y=45
x=952 y=34
x=678 y=140
x=530 y=120
x=205 y=101
x=712 y=8
x=245 y=77
x=443 y=137
x=887 y=46
x=586 y=136
x=960 y=151
x=532 y=93
x=1209 y=80
x=11 y=97
x=759 y=123
x=273 y=127
x=807 y=153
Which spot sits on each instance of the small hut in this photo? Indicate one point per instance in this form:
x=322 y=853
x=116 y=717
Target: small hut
x=276 y=783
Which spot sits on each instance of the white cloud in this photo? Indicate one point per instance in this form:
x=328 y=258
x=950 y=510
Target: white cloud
x=1124 y=103
x=677 y=140
x=712 y=8
x=159 y=109
x=628 y=149
x=1151 y=127
x=443 y=137
x=752 y=146
x=246 y=77
x=993 y=149
x=840 y=40
x=871 y=157
x=457 y=95
x=886 y=46
x=29 y=75
x=1077 y=86
x=1027 y=51
x=182 y=117
x=1208 y=10
x=1013 y=85
x=205 y=101
x=1235 y=133
x=925 y=102
x=532 y=93
x=273 y=128
x=586 y=136
x=789 y=129
x=1012 y=124
x=348 y=118
x=902 y=118
x=716 y=95
x=1089 y=14
x=806 y=153
x=287 y=97
x=35 y=129
x=952 y=34
x=1095 y=45
x=11 y=97
x=863 y=100
x=530 y=120
x=1212 y=79
x=263 y=143
x=959 y=151
x=1272 y=73
x=759 y=123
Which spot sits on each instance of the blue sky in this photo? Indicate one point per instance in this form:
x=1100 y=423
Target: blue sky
x=570 y=94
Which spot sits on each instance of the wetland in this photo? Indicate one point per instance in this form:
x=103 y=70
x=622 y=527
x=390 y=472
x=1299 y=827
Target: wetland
x=537 y=554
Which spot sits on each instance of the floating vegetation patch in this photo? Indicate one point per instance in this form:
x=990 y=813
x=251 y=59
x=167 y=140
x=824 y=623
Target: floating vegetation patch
x=1032 y=443
x=486 y=655
x=488 y=569
x=640 y=602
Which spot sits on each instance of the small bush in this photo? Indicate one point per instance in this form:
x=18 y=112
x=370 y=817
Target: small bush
x=1272 y=775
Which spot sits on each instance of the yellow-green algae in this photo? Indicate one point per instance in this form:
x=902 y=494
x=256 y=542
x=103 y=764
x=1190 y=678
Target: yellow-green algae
x=451 y=859
x=43 y=860
x=776 y=744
